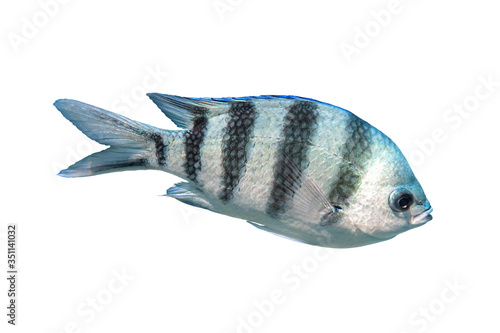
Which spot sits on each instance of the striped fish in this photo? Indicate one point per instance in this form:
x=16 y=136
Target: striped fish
x=293 y=166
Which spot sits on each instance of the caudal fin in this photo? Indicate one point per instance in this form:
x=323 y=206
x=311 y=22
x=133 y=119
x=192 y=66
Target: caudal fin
x=129 y=140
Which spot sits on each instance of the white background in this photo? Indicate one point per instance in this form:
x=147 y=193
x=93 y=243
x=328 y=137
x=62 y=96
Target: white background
x=195 y=271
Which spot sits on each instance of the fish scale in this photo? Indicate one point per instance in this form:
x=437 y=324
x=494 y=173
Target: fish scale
x=240 y=125
x=293 y=166
x=299 y=126
x=193 y=142
x=356 y=150
x=256 y=183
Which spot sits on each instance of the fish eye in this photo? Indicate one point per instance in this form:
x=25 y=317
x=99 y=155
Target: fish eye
x=401 y=200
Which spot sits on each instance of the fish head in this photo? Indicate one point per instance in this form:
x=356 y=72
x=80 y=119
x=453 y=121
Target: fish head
x=389 y=200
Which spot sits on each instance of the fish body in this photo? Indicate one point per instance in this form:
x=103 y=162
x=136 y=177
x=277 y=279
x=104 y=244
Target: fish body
x=296 y=167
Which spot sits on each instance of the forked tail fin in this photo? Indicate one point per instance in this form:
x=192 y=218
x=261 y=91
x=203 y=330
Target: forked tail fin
x=133 y=145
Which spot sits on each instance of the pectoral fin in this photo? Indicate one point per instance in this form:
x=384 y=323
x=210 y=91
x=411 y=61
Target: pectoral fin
x=310 y=203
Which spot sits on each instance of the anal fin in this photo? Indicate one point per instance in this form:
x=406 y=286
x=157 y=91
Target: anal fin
x=265 y=228
x=187 y=193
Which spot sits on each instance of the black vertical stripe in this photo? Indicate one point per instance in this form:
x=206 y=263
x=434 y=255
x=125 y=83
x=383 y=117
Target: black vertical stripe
x=300 y=124
x=160 y=148
x=355 y=152
x=235 y=142
x=193 y=140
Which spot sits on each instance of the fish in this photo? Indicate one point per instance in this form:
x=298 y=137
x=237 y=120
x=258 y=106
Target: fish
x=296 y=167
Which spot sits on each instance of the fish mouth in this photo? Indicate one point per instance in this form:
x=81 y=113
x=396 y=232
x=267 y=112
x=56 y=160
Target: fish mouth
x=422 y=218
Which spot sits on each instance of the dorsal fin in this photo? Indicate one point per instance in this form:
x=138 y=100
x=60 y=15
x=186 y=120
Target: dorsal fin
x=186 y=112
x=182 y=111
